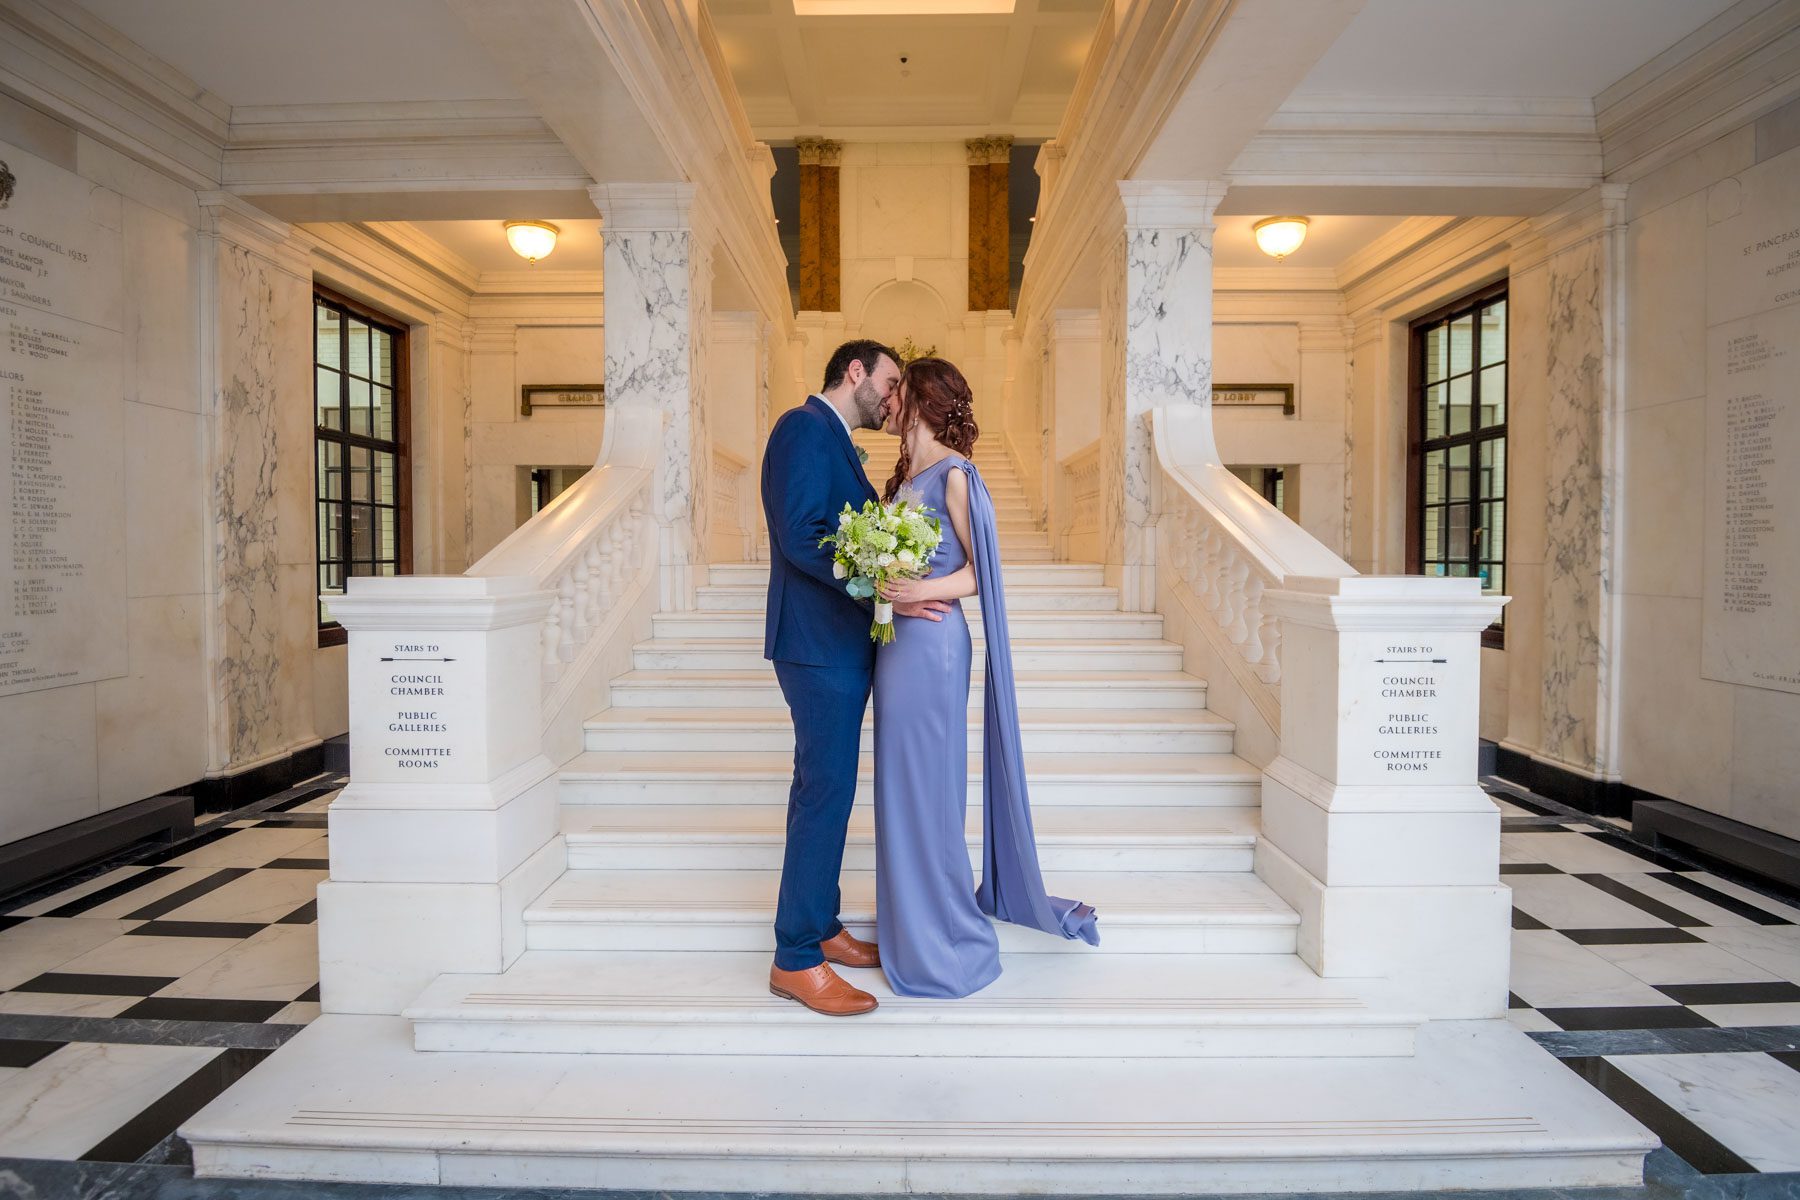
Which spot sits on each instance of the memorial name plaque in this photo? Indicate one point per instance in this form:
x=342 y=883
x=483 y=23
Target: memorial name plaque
x=62 y=528
x=1751 y=607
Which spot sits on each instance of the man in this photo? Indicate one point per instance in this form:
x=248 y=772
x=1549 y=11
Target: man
x=818 y=637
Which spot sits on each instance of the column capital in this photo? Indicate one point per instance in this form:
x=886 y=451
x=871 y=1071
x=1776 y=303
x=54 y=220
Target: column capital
x=643 y=207
x=985 y=150
x=1170 y=204
x=227 y=218
x=818 y=151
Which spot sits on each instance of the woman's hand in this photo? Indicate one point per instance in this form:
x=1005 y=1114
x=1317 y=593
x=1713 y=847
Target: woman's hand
x=907 y=591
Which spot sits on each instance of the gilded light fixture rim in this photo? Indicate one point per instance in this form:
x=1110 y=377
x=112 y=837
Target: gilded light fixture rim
x=544 y=225
x=1256 y=232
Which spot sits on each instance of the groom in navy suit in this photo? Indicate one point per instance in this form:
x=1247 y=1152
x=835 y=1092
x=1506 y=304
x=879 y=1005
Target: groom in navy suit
x=818 y=637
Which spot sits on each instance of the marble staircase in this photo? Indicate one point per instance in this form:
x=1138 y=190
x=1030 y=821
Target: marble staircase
x=633 y=1043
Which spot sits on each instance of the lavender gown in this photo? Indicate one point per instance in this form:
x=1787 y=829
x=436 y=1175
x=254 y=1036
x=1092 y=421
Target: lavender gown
x=931 y=920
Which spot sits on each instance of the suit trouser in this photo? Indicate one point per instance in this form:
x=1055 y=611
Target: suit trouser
x=827 y=704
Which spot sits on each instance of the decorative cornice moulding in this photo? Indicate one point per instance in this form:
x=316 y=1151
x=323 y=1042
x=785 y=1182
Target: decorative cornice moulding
x=1170 y=204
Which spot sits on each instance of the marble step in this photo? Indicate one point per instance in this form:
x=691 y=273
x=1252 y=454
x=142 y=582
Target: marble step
x=624 y=837
x=1035 y=689
x=1477 y=1105
x=1060 y=574
x=1091 y=730
x=746 y=654
x=1141 y=912
x=1019 y=598
x=1151 y=1006
x=1199 y=781
x=1026 y=626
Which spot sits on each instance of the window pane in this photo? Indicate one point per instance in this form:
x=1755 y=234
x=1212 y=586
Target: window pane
x=384 y=478
x=331 y=471
x=1437 y=353
x=325 y=395
x=1493 y=467
x=381 y=534
x=362 y=537
x=1436 y=421
x=1492 y=543
x=359 y=406
x=328 y=327
x=1456 y=522
x=1433 y=541
x=359 y=347
x=1493 y=396
x=1461 y=393
x=1493 y=333
x=1459 y=570
x=384 y=356
x=383 y=400
x=1459 y=473
x=1436 y=490
x=360 y=487
x=1493 y=578
x=1462 y=343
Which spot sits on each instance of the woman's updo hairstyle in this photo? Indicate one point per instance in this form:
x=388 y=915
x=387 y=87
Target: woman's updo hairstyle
x=936 y=393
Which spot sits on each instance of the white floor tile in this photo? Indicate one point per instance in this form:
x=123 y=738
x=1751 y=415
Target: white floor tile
x=155 y=889
x=1564 y=902
x=247 y=848
x=1773 y=907
x=46 y=943
x=1749 y=1102
x=258 y=896
x=136 y=955
x=1773 y=947
x=1572 y=852
x=300 y=1012
x=57 y=1004
x=67 y=1102
x=277 y=963
x=1685 y=902
x=50 y=903
x=1550 y=971
x=1683 y=962
x=1737 y=1016
x=1530 y=1020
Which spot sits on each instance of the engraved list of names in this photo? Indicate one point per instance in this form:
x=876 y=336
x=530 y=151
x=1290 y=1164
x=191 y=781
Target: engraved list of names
x=1751 y=606
x=62 y=594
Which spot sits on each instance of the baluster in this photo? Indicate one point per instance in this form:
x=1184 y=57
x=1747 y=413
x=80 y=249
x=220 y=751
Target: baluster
x=582 y=622
x=565 y=601
x=1269 y=670
x=596 y=582
x=550 y=629
x=1252 y=620
x=1236 y=572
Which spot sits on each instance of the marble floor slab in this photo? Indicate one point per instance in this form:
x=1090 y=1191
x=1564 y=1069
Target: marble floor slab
x=67 y=1103
x=1750 y=1102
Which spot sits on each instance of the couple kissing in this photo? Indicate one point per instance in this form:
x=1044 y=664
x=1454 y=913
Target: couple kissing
x=934 y=933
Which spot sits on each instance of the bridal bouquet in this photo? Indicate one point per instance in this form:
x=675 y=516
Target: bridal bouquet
x=883 y=542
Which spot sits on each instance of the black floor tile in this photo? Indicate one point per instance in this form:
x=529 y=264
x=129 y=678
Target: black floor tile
x=306 y=914
x=193 y=843
x=1632 y=896
x=111 y=891
x=1531 y=825
x=299 y=864
x=1715 y=897
x=74 y=984
x=1790 y=1058
x=19 y=1052
x=1628 y=937
x=150 y=1127
x=311 y=993
x=192 y=891
x=1524 y=920
x=1696 y=1147
x=1650 y=854
x=1529 y=869
x=1641 y=1016
x=201 y=1008
x=1730 y=993
x=198 y=929
x=302 y=798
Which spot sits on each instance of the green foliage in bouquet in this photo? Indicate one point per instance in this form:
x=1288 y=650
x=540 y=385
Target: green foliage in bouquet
x=883 y=542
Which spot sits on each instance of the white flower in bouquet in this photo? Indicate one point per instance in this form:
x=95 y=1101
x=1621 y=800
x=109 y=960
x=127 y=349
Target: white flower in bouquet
x=882 y=543
x=839 y=570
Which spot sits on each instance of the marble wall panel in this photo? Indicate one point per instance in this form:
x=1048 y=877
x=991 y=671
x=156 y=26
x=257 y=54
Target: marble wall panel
x=1765 y=759
x=1675 y=731
x=1494 y=681
x=51 y=760
x=162 y=340
x=1075 y=353
x=1663 y=474
x=1112 y=404
x=151 y=722
x=1665 y=337
x=165 y=509
x=1578 y=512
x=331 y=695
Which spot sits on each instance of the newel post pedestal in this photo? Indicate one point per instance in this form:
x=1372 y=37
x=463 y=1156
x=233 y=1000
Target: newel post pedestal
x=448 y=826
x=1374 y=827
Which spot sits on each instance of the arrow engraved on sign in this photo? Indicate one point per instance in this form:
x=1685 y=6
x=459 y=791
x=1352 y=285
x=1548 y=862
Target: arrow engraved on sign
x=404 y=658
x=1412 y=660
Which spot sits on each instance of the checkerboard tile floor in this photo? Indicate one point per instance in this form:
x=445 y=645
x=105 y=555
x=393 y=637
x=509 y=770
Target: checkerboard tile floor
x=133 y=994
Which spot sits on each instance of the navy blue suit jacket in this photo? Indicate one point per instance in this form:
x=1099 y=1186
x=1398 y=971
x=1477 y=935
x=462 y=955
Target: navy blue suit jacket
x=809 y=472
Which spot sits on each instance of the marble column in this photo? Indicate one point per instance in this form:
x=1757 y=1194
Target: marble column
x=990 y=159
x=820 y=270
x=262 y=569
x=1155 y=351
x=658 y=270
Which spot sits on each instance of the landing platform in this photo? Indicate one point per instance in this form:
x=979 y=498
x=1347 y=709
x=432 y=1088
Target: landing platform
x=1477 y=1106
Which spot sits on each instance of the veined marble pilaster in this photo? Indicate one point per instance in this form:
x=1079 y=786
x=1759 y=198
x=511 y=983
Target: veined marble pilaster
x=262 y=568
x=658 y=270
x=1580 y=617
x=820 y=267
x=1156 y=351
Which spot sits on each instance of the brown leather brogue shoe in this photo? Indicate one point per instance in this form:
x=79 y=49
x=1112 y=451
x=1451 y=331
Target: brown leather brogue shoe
x=820 y=989
x=847 y=951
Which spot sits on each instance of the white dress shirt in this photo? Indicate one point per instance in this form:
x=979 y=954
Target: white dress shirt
x=834 y=412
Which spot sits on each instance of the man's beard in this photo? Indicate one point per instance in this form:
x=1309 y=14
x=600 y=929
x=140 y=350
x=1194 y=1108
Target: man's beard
x=868 y=405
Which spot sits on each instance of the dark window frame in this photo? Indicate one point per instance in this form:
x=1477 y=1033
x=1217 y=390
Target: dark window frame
x=400 y=445
x=1418 y=445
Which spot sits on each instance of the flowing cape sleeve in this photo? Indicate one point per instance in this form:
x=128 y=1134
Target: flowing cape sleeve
x=1012 y=886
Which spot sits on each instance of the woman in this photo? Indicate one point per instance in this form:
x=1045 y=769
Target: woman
x=931 y=921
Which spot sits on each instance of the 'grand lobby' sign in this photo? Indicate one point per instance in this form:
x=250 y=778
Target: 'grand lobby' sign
x=62 y=528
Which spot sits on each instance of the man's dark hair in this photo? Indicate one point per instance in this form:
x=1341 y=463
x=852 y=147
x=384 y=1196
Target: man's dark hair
x=863 y=350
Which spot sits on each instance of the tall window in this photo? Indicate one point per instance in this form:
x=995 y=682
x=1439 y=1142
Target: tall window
x=1458 y=426
x=359 y=392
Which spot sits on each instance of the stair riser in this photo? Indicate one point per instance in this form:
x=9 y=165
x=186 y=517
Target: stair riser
x=699 y=741
x=1049 y=574
x=1153 y=656
x=768 y=696
x=1090 y=793
x=1023 y=625
x=641 y=1032
x=750 y=600
x=637 y=931
x=860 y=856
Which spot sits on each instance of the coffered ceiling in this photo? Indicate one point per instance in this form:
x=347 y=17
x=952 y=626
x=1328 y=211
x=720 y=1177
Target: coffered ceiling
x=834 y=67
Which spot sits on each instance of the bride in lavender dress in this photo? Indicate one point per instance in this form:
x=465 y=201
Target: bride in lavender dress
x=932 y=921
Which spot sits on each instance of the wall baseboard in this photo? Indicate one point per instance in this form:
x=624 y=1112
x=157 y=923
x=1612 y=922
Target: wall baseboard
x=226 y=792
x=1714 y=838
x=33 y=859
x=1601 y=797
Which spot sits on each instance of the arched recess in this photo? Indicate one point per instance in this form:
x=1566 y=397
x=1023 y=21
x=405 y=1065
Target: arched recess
x=901 y=309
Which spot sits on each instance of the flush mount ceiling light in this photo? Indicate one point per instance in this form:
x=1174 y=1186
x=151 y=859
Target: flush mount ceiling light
x=1279 y=237
x=531 y=240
